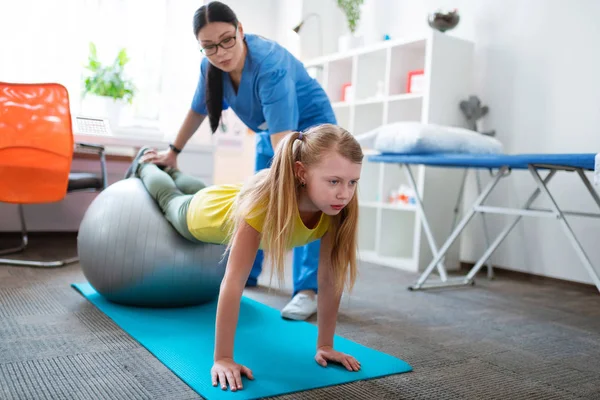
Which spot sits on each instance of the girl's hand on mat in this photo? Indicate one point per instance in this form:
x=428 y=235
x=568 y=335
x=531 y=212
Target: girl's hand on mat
x=165 y=158
x=226 y=371
x=327 y=353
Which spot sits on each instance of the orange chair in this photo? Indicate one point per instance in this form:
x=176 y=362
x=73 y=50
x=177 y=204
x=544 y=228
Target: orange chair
x=36 y=152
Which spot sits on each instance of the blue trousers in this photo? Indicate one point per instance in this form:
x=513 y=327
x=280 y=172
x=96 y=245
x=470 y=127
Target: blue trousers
x=306 y=258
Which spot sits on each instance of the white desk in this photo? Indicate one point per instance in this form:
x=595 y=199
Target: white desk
x=66 y=215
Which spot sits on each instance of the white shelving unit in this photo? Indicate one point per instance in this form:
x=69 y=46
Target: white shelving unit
x=391 y=234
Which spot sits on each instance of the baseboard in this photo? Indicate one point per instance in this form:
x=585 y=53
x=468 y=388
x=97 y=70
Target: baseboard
x=527 y=277
x=109 y=157
x=16 y=235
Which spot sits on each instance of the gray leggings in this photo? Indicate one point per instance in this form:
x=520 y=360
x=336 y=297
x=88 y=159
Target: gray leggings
x=173 y=191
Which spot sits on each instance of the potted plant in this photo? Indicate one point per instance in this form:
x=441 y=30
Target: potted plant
x=351 y=9
x=107 y=89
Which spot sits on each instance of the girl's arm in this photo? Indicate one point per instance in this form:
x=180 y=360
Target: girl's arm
x=243 y=251
x=328 y=303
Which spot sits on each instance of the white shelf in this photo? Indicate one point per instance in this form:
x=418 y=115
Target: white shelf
x=407 y=42
x=370 y=152
x=405 y=96
x=341 y=104
x=394 y=262
x=378 y=100
x=398 y=207
x=128 y=139
x=388 y=206
x=369 y=204
x=391 y=234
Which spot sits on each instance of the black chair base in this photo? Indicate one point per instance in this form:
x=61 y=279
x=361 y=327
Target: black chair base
x=78 y=182
x=23 y=246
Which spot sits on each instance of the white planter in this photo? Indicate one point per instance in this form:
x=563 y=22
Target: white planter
x=349 y=42
x=103 y=107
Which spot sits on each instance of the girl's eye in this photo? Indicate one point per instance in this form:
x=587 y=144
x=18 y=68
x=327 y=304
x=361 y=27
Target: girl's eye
x=352 y=183
x=334 y=182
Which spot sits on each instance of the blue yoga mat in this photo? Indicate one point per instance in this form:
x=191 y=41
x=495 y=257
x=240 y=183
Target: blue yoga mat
x=280 y=353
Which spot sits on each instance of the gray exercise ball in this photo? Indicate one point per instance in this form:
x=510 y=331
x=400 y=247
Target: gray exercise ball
x=132 y=255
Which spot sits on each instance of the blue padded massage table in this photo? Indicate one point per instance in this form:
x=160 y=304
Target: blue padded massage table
x=503 y=164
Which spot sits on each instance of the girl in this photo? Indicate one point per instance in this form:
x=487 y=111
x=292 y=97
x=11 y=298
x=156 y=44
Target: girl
x=271 y=92
x=307 y=194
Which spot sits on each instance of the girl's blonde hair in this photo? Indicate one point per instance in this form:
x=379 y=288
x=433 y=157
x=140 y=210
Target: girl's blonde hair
x=274 y=192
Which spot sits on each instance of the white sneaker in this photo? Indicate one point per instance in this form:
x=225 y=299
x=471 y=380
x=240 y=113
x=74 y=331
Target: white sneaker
x=301 y=307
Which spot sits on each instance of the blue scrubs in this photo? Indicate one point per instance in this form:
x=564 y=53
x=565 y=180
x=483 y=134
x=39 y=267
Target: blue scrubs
x=275 y=94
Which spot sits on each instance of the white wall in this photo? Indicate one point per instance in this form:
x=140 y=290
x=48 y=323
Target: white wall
x=536 y=67
x=288 y=15
x=321 y=33
x=256 y=16
x=536 y=63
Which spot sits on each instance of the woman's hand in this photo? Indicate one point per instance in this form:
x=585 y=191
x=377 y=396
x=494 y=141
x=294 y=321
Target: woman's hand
x=226 y=371
x=327 y=353
x=165 y=158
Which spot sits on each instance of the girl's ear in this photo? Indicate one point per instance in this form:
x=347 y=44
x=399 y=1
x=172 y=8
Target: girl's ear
x=300 y=171
x=241 y=29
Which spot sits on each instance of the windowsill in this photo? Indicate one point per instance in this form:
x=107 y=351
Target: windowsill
x=127 y=140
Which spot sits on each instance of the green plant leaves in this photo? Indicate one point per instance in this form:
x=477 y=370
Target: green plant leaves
x=352 y=10
x=109 y=80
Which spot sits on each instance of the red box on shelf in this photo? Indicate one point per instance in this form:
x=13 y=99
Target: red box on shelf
x=414 y=81
x=346 y=91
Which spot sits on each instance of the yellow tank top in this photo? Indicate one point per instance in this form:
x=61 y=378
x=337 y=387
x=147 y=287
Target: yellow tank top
x=208 y=218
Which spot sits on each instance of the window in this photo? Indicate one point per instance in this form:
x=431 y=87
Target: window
x=49 y=41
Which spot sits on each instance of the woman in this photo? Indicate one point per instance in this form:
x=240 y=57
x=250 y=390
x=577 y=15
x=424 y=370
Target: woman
x=271 y=92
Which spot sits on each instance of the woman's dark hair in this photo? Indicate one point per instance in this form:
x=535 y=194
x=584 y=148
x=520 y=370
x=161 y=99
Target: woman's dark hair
x=215 y=11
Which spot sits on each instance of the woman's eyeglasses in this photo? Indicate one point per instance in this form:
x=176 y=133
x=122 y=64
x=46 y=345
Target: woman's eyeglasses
x=225 y=44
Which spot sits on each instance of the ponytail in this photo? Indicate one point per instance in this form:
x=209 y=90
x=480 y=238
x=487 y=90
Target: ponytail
x=283 y=203
x=273 y=193
x=214 y=96
x=284 y=185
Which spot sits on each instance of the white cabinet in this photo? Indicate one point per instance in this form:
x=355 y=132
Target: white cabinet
x=390 y=233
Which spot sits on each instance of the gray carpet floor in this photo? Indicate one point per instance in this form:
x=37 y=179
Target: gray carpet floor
x=504 y=339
